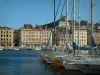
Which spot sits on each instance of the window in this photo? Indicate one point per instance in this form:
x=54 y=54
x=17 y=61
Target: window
x=9 y=35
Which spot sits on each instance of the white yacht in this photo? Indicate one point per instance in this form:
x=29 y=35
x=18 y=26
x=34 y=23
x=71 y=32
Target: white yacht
x=70 y=62
x=92 y=66
x=37 y=48
x=1 y=48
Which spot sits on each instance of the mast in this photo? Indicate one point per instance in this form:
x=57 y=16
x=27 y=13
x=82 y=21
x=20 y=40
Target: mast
x=40 y=38
x=73 y=22
x=66 y=23
x=92 y=22
x=54 y=24
x=78 y=24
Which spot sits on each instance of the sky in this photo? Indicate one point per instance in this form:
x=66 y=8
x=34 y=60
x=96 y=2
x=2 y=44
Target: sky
x=16 y=13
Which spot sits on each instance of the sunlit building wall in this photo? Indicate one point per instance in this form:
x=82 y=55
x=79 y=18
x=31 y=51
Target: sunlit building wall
x=32 y=36
x=6 y=37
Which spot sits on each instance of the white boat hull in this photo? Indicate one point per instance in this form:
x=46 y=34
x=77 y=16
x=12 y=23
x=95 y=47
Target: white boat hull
x=89 y=69
x=37 y=48
x=70 y=67
x=16 y=49
x=1 y=49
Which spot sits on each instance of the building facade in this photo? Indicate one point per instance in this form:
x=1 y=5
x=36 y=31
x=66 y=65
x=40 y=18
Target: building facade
x=97 y=37
x=82 y=38
x=6 y=37
x=31 y=36
x=15 y=35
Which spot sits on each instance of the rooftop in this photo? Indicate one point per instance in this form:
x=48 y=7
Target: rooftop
x=4 y=27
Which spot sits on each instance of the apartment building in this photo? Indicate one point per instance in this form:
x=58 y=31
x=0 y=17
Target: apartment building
x=6 y=37
x=61 y=37
x=82 y=38
x=31 y=36
x=97 y=37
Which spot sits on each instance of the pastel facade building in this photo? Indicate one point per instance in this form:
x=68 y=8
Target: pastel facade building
x=82 y=38
x=6 y=37
x=31 y=36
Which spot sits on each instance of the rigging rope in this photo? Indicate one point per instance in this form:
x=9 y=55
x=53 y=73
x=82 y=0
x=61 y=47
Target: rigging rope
x=63 y=7
x=57 y=8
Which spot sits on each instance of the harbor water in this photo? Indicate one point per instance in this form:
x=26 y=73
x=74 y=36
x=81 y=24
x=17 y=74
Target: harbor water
x=28 y=63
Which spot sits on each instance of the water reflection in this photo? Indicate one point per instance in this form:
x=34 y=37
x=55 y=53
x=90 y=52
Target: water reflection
x=28 y=63
x=59 y=70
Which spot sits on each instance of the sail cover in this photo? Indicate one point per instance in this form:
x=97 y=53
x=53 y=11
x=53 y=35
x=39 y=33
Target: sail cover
x=93 y=42
x=75 y=46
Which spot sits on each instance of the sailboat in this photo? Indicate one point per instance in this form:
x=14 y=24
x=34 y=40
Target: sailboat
x=85 y=64
x=45 y=56
x=73 y=59
x=58 y=54
x=54 y=54
x=93 y=63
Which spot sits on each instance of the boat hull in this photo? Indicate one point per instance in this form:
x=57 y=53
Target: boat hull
x=89 y=69
x=58 y=63
x=47 y=60
x=70 y=67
